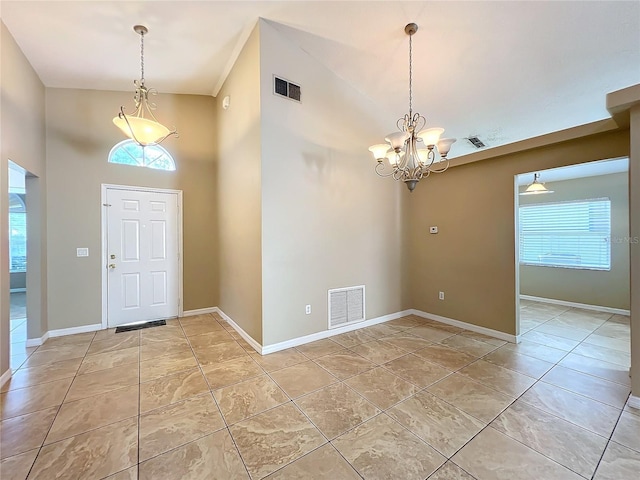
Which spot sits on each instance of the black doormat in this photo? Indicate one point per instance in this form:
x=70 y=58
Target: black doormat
x=129 y=328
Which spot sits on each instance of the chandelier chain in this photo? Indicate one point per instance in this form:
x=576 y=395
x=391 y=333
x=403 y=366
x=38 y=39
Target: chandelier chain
x=410 y=76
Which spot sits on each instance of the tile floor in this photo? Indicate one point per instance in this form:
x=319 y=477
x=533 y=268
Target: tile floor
x=408 y=399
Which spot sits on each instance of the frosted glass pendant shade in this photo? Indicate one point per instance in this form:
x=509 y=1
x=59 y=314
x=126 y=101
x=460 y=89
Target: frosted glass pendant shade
x=397 y=139
x=444 y=145
x=142 y=130
x=379 y=151
x=430 y=136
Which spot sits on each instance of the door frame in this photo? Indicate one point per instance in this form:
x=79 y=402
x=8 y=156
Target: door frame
x=104 y=250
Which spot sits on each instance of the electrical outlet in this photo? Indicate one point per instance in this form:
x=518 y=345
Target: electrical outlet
x=307 y=309
x=441 y=295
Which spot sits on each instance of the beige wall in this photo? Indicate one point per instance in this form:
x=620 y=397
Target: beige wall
x=80 y=135
x=472 y=259
x=238 y=194
x=22 y=99
x=634 y=231
x=328 y=221
x=593 y=287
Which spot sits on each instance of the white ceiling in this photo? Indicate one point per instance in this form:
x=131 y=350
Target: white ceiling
x=504 y=71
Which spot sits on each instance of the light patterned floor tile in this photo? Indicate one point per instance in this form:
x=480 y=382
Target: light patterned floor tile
x=248 y=398
x=26 y=432
x=103 y=381
x=451 y=471
x=578 y=409
x=80 y=416
x=618 y=463
x=569 y=445
x=482 y=402
x=319 y=348
x=493 y=455
x=211 y=457
x=171 y=389
x=381 y=449
x=31 y=399
x=275 y=438
x=446 y=357
x=18 y=466
x=524 y=364
x=627 y=432
x=416 y=370
x=232 y=371
x=28 y=377
x=336 y=409
x=440 y=424
x=324 y=463
x=501 y=379
x=381 y=387
x=378 y=352
x=302 y=378
x=593 y=387
x=168 y=427
x=94 y=454
x=345 y=364
x=278 y=360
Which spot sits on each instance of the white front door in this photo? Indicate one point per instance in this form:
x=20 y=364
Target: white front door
x=142 y=255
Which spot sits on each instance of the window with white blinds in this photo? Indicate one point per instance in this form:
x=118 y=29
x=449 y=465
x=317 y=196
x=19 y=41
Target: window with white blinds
x=572 y=234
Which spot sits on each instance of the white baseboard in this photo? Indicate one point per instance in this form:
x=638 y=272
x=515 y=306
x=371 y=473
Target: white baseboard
x=256 y=346
x=584 y=306
x=36 y=342
x=199 y=311
x=634 y=402
x=468 y=326
x=61 y=332
x=4 y=378
x=73 y=330
x=294 y=342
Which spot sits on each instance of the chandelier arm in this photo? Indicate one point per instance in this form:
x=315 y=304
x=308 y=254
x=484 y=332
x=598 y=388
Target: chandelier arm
x=380 y=167
x=441 y=170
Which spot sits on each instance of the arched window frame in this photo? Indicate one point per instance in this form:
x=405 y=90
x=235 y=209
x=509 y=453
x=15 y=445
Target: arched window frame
x=129 y=152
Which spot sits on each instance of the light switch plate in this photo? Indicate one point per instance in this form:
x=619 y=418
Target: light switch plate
x=82 y=252
x=433 y=229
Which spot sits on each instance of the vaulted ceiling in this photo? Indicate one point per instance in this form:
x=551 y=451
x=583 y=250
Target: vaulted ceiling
x=504 y=71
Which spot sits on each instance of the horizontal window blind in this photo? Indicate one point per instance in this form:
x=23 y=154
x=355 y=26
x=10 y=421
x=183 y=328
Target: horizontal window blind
x=572 y=234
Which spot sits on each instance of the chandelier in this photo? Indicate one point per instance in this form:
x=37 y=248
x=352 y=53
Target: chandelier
x=142 y=127
x=406 y=160
x=536 y=187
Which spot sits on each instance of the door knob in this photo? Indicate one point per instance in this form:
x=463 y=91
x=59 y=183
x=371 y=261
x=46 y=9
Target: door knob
x=112 y=265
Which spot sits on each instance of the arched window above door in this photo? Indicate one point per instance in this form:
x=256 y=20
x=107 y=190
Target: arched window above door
x=129 y=152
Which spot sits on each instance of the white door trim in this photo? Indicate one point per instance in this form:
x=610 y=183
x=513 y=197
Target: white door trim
x=105 y=253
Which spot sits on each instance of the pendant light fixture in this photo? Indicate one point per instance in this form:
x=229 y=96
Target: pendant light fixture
x=536 y=187
x=406 y=160
x=142 y=127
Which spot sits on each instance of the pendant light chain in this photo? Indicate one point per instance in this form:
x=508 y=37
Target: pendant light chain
x=142 y=58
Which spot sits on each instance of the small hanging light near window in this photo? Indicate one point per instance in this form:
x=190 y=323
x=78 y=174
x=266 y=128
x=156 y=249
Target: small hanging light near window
x=536 y=187
x=408 y=162
x=143 y=127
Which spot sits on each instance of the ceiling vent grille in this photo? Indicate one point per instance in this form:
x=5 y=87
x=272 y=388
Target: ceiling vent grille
x=346 y=305
x=476 y=142
x=285 y=88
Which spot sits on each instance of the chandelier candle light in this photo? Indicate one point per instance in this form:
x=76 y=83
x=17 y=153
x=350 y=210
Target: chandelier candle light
x=142 y=127
x=407 y=160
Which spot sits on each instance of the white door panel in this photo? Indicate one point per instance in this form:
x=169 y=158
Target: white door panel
x=142 y=249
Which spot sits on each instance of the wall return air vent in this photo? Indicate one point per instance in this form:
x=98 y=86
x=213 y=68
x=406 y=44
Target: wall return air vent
x=346 y=305
x=285 y=88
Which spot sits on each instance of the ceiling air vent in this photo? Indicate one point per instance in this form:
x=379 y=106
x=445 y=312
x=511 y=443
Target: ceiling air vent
x=346 y=305
x=476 y=142
x=285 y=88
